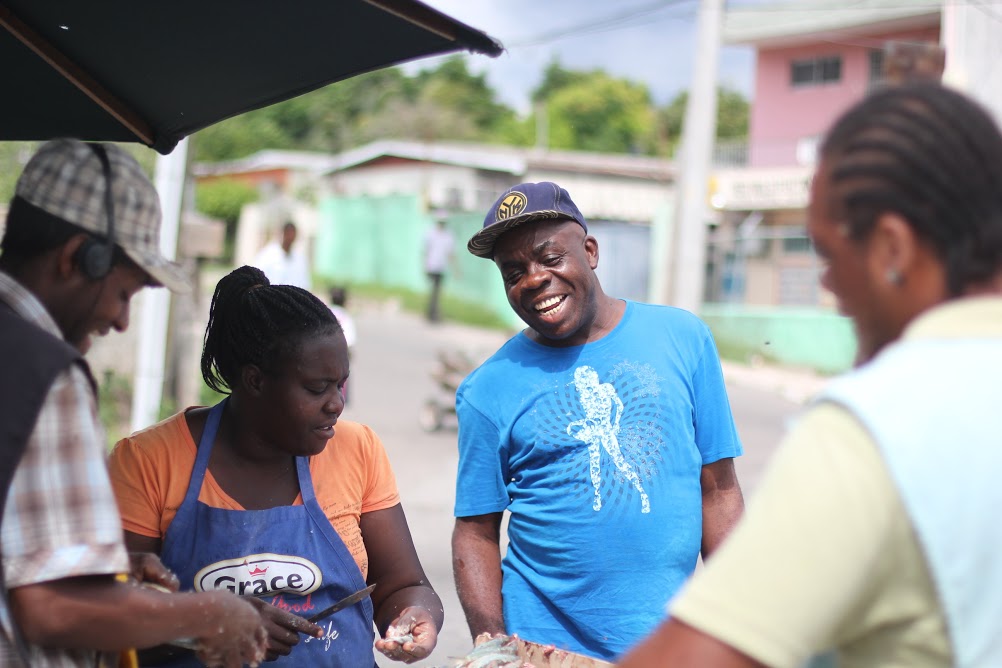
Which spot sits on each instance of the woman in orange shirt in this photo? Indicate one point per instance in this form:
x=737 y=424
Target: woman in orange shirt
x=268 y=495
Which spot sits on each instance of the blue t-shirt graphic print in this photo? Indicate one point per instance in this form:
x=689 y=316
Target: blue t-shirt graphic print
x=596 y=451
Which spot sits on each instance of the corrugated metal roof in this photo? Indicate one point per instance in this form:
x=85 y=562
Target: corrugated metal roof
x=268 y=160
x=489 y=157
x=788 y=24
x=509 y=159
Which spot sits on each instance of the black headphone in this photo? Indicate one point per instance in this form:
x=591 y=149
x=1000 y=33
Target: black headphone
x=96 y=255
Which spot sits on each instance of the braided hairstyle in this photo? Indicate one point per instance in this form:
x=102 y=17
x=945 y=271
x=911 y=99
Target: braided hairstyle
x=934 y=157
x=254 y=322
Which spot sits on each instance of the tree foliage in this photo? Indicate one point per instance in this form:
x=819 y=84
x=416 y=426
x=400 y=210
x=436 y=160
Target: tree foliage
x=585 y=110
x=223 y=199
x=595 y=112
x=732 y=116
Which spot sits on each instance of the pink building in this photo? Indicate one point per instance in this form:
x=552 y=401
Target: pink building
x=814 y=61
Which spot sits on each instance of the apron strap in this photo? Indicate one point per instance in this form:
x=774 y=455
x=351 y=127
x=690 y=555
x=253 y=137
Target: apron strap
x=204 y=450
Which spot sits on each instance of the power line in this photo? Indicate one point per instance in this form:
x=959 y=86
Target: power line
x=624 y=19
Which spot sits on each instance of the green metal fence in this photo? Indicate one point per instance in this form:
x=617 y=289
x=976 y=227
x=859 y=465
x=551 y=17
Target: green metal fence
x=380 y=240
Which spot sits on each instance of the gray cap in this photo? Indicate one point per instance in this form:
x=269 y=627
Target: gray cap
x=65 y=178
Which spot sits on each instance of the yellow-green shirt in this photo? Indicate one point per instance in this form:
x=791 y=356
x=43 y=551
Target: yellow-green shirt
x=826 y=556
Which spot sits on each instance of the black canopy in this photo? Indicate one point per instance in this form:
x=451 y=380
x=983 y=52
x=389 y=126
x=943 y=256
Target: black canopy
x=155 y=71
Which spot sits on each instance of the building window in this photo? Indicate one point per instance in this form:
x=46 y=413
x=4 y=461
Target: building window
x=876 y=67
x=796 y=245
x=816 y=71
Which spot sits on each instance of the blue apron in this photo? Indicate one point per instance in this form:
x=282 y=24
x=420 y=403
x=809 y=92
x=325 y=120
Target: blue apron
x=289 y=556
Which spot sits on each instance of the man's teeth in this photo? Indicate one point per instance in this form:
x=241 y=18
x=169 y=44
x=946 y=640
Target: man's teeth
x=549 y=303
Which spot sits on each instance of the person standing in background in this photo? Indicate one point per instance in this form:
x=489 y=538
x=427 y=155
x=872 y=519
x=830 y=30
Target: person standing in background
x=282 y=263
x=438 y=248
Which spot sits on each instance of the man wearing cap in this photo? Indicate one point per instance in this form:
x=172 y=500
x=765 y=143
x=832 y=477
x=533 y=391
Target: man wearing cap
x=81 y=238
x=603 y=428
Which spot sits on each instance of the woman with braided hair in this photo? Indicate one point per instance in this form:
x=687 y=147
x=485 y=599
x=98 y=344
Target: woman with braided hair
x=269 y=495
x=873 y=535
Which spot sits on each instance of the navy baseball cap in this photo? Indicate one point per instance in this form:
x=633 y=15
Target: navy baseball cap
x=524 y=203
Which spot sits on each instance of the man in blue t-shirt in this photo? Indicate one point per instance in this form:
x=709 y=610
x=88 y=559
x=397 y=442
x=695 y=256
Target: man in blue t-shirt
x=603 y=428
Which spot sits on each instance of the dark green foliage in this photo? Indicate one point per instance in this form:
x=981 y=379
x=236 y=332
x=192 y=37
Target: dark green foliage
x=585 y=110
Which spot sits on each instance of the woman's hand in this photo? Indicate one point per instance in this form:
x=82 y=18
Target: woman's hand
x=411 y=637
x=283 y=628
x=147 y=568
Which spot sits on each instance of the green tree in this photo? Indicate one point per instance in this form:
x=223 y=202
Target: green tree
x=327 y=119
x=224 y=199
x=239 y=137
x=600 y=113
x=555 y=78
x=451 y=85
x=732 y=116
x=14 y=155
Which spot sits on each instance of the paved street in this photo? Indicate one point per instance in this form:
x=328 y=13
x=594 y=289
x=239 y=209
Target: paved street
x=390 y=382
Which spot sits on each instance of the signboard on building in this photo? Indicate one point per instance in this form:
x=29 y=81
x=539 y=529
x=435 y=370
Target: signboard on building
x=760 y=189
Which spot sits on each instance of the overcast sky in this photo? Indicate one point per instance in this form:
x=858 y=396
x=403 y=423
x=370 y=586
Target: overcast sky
x=651 y=41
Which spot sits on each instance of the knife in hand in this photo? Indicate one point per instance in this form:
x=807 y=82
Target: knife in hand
x=343 y=603
x=192 y=644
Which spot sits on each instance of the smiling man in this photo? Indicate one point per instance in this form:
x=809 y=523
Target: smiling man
x=81 y=239
x=603 y=428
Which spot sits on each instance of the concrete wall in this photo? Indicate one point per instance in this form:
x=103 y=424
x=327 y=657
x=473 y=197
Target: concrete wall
x=814 y=338
x=609 y=197
x=380 y=240
x=436 y=185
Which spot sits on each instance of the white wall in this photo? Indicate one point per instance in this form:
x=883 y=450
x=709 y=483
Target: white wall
x=431 y=182
x=610 y=198
x=598 y=196
x=972 y=37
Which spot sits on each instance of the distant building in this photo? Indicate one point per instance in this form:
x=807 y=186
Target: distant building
x=813 y=61
x=270 y=171
x=362 y=213
x=288 y=185
x=625 y=198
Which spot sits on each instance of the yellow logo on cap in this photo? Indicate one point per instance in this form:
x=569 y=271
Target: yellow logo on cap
x=512 y=205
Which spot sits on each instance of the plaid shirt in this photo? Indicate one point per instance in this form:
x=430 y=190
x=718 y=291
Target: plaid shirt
x=61 y=519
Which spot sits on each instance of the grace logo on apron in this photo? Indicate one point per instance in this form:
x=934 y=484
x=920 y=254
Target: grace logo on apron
x=260 y=575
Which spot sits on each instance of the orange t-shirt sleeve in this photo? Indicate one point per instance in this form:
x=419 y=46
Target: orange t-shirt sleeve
x=381 y=491
x=146 y=478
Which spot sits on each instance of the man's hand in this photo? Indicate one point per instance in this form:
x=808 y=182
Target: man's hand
x=147 y=568
x=283 y=628
x=235 y=635
x=411 y=637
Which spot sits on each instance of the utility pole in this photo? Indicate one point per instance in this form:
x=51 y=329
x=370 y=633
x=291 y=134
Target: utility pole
x=542 y=126
x=151 y=351
x=689 y=249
